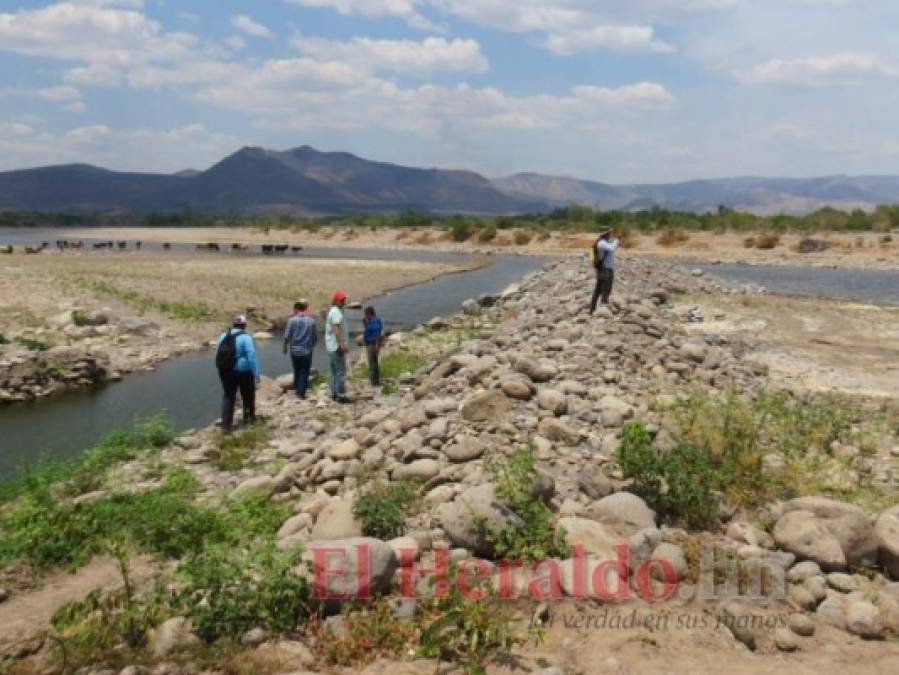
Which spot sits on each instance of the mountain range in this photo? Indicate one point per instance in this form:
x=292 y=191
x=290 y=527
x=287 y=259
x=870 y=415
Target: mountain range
x=307 y=181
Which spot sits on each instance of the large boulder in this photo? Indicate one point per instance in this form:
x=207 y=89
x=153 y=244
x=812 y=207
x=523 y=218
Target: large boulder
x=467 y=519
x=346 y=567
x=552 y=400
x=809 y=538
x=623 y=509
x=886 y=531
x=596 y=539
x=336 y=521
x=420 y=470
x=847 y=523
x=557 y=431
x=487 y=406
x=464 y=449
x=593 y=482
x=174 y=634
x=539 y=370
x=518 y=388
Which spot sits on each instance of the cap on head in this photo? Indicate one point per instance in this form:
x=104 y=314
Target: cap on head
x=240 y=321
x=339 y=296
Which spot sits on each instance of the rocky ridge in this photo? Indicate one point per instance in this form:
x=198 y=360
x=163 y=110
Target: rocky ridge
x=542 y=371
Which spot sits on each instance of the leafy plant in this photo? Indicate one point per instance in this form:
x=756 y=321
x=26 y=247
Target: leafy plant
x=382 y=510
x=80 y=318
x=231 y=590
x=370 y=633
x=468 y=630
x=534 y=536
x=488 y=233
x=34 y=344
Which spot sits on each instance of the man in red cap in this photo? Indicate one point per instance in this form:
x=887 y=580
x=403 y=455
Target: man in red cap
x=336 y=340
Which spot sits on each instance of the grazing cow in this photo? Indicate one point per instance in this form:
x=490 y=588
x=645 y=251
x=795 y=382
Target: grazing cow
x=267 y=249
x=7 y=250
x=100 y=245
x=166 y=246
x=281 y=248
x=296 y=249
x=137 y=245
x=208 y=247
x=123 y=245
x=32 y=251
x=77 y=244
x=238 y=248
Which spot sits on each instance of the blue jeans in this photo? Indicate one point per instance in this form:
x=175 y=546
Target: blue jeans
x=301 y=367
x=338 y=374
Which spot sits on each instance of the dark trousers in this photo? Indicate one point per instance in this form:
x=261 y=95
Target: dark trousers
x=301 y=367
x=232 y=382
x=604 y=280
x=374 y=368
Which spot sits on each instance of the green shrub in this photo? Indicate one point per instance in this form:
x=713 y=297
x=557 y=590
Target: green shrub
x=488 y=233
x=242 y=589
x=34 y=344
x=535 y=536
x=382 y=510
x=679 y=485
x=369 y=633
x=255 y=516
x=79 y=317
x=461 y=229
x=469 y=631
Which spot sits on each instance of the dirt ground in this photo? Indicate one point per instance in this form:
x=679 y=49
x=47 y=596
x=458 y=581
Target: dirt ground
x=818 y=345
x=189 y=296
x=865 y=250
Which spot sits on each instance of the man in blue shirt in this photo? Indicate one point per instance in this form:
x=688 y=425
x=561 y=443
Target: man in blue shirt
x=604 y=262
x=241 y=375
x=372 y=338
x=300 y=338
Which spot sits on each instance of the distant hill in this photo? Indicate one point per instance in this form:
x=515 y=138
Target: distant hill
x=760 y=195
x=258 y=180
x=305 y=180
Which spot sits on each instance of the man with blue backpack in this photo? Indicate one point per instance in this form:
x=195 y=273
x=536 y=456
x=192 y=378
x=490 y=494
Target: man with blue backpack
x=238 y=369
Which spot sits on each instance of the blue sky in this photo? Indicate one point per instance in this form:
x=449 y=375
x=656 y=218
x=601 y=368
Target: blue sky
x=637 y=91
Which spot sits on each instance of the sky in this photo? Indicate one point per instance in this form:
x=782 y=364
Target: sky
x=637 y=91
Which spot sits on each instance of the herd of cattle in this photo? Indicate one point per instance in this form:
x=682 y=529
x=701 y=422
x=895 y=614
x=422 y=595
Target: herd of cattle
x=64 y=244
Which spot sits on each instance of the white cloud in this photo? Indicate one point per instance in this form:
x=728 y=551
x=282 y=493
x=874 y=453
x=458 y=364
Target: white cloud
x=124 y=149
x=247 y=25
x=616 y=38
x=235 y=43
x=405 y=10
x=403 y=56
x=62 y=93
x=842 y=68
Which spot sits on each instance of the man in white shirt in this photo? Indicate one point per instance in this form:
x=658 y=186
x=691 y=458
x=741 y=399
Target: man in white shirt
x=604 y=262
x=336 y=341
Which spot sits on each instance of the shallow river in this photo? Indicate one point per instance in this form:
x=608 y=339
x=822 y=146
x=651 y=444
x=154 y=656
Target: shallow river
x=187 y=387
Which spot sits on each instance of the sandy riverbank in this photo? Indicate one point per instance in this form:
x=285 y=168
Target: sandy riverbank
x=137 y=309
x=863 y=250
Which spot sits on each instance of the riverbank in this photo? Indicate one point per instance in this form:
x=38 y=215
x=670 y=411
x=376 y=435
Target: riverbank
x=865 y=250
x=73 y=319
x=799 y=486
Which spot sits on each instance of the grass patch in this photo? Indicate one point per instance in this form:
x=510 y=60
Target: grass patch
x=34 y=344
x=743 y=450
x=394 y=365
x=182 y=311
x=382 y=510
x=236 y=449
x=80 y=318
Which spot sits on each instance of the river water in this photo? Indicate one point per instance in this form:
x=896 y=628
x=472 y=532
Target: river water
x=878 y=287
x=187 y=387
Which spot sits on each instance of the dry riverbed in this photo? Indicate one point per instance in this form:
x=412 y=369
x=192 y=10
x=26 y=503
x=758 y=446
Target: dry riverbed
x=519 y=429
x=74 y=318
x=868 y=250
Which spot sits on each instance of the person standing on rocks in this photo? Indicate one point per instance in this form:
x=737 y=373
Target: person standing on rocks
x=373 y=338
x=604 y=263
x=299 y=340
x=238 y=369
x=336 y=335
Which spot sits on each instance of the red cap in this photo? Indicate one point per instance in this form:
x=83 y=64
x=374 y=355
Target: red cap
x=339 y=296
